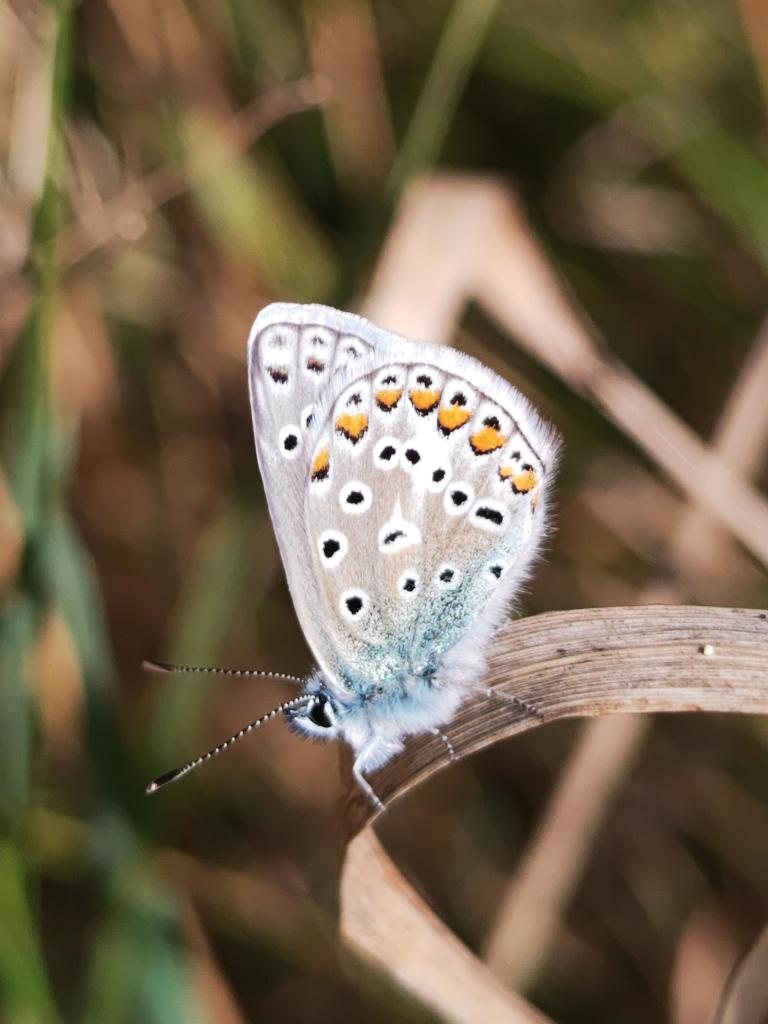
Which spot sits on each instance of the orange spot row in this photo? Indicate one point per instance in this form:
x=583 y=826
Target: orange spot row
x=424 y=401
x=388 y=398
x=352 y=425
x=487 y=439
x=451 y=417
x=522 y=482
x=321 y=464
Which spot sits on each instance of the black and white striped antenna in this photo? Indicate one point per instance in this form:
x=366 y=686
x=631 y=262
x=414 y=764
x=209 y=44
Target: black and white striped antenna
x=165 y=668
x=176 y=773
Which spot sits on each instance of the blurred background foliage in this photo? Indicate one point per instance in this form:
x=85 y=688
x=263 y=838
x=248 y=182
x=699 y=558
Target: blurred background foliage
x=167 y=169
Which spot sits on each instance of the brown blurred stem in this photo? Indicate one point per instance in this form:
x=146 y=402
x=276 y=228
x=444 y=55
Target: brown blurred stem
x=745 y=1000
x=168 y=182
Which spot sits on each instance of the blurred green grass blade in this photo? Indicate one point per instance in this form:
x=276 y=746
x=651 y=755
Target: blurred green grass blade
x=18 y=630
x=265 y=28
x=517 y=56
x=138 y=970
x=251 y=206
x=733 y=179
x=25 y=997
x=454 y=58
x=77 y=595
x=27 y=447
x=76 y=589
x=208 y=605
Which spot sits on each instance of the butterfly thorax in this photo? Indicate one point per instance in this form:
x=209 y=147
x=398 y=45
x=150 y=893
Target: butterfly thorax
x=412 y=704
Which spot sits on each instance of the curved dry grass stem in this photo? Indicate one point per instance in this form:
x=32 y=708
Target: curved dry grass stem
x=385 y=920
x=577 y=663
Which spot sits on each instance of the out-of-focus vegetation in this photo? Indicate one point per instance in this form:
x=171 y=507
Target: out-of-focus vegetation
x=167 y=169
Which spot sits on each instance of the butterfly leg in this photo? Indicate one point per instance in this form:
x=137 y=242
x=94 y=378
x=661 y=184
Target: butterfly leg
x=361 y=780
x=447 y=742
x=510 y=698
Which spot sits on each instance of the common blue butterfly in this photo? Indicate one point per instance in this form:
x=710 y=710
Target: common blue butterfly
x=407 y=485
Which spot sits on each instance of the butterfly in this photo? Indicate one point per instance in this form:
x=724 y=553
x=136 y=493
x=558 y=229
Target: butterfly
x=408 y=489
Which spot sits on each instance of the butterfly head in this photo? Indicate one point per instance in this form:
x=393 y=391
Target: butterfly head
x=319 y=717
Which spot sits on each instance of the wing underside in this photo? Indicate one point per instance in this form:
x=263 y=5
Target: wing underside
x=406 y=484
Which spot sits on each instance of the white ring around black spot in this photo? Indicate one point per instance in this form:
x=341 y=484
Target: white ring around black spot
x=494 y=572
x=332 y=546
x=411 y=457
x=308 y=415
x=397 y=534
x=355 y=498
x=408 y=584
x=354 y=604
x=289 y=440
x=438 y=477
x=447 y=576
x=458 y=498
x=489 y=515
x=385 y=454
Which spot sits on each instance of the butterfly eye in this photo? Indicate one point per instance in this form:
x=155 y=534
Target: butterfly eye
x=320 y=714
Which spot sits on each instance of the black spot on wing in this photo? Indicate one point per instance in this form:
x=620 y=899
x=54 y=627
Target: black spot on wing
x=493 y=515
x=330 y=547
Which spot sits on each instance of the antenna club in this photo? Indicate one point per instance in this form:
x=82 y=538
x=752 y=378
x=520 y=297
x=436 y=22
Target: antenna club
x=156 y=666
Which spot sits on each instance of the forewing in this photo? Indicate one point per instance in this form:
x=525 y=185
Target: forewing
x=296 y=354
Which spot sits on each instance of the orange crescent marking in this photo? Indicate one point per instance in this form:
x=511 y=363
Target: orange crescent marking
x=321 y=464
x=488 y=439
x=452 y=417
x=352 y=425
x=424 y=401
x=524 y=482
x=388 y=398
